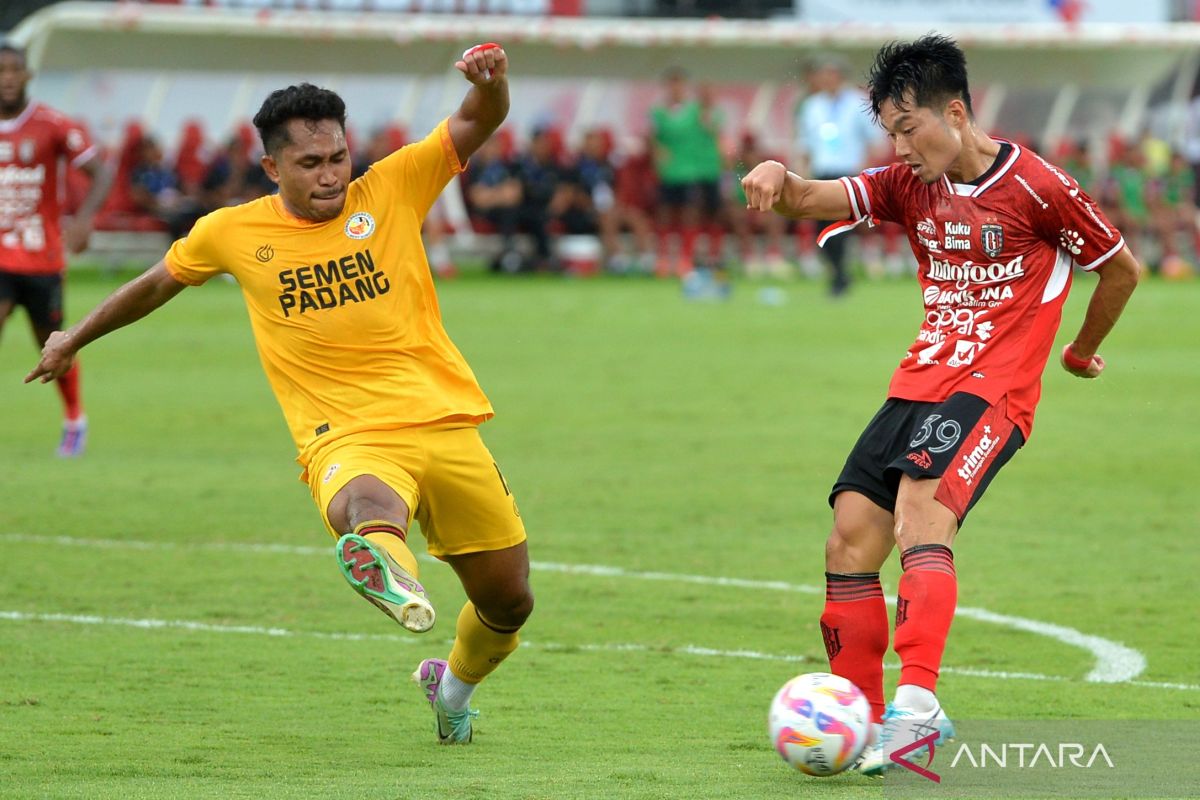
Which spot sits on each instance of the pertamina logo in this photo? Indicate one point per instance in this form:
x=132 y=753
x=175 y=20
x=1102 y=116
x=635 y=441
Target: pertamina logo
x=360 y=225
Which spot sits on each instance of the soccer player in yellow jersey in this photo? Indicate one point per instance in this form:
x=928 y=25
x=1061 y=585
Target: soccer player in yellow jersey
x=382 y=406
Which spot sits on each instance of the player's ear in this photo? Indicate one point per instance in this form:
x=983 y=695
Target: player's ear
x=270 y=167
x=956 y=113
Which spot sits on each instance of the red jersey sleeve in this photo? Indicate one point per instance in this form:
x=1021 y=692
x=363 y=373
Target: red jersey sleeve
x=876 y=193
x=1073 y=221
x=74 y=142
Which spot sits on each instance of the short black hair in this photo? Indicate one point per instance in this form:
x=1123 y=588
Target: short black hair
x=933 y=69
x=8 y=47
x=304 y=101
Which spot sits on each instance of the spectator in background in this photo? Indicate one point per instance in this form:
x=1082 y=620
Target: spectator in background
x=1125 y=192
x=155 y=190
x=1173 y=211
x=833 y=137
x=747 y=225
x=493 y=194
x=1076 y=161
x=547 y=193
x=688 y=158
x=635 y=197
x=234 y=177
x=595 y=177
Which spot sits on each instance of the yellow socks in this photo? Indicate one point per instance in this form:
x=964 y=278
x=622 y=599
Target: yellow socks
x=392 y=539
x=479 y=646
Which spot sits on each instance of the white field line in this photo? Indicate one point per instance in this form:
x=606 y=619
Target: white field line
x=1114 y=662
x=618 y=647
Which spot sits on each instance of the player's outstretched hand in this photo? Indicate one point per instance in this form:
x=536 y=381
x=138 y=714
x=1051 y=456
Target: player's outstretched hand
x=484 y=63
x=57 y=356
x=1079 y=366
x=764 y=185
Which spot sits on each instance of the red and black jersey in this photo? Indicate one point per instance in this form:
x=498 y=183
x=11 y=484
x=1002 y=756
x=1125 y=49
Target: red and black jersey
x=994 y=259
x=33 y=148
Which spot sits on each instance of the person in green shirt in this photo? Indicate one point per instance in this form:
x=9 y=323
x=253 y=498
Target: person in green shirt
x=686 y=134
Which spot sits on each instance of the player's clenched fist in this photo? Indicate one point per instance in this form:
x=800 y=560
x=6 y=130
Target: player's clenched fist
x=484 y=63
x=764 y=185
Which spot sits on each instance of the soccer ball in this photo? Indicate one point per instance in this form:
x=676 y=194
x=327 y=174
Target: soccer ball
x=819 y=723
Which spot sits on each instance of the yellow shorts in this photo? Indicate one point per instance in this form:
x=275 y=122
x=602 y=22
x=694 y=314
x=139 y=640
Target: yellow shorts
x=444 y=473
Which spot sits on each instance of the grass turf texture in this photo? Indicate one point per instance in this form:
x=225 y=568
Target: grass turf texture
x=638 y=431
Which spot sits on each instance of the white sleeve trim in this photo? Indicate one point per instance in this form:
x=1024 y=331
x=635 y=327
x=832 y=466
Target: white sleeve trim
x=854 y=209
x=85 y=156
x=1116 y=249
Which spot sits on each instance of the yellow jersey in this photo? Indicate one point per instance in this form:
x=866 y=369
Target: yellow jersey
x=344 y=312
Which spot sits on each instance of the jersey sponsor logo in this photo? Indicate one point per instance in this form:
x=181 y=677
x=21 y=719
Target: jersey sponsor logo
x=927 y=235
x=1091 y=210
x=360 y=225
x=1032 y=193
x=265 y=253
x=964 y=353
x=27 y=151
x=329 y=473
x=975 y=461
x=1063 y=179
x=991 y=238
x=968 y=272
x=350 y=279
x=1071 y=241
x=921 y=459
x=957 y=236
x=12 y=175
x=962 y=321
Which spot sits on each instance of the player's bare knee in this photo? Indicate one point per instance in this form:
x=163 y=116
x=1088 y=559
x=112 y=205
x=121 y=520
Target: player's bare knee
x=508 y=610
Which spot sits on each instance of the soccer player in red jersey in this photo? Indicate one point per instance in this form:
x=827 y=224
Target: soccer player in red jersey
x=35 y=141
x=997 y=232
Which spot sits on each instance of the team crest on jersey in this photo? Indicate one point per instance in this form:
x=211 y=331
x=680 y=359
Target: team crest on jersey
x=992 y=239
x=26 y=151
x=360 y=225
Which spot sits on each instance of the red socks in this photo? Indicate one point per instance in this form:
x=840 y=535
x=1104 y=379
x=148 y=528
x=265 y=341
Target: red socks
x=68 y=387
x=855 y=628
x=925 y=606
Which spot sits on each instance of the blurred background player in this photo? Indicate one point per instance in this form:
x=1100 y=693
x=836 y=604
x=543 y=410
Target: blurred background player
x=687 y=154
x=34 y=142
x=833 y=137
x=383 y=408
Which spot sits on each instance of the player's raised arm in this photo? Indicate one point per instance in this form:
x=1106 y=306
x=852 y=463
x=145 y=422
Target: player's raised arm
x=1118 y=279
x=770 y=187
x=486 y=103
x=131 y=302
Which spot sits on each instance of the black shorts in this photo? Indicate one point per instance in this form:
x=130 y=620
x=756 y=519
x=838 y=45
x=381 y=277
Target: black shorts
x=962 y=440
x=41 y=296
x=705 y=195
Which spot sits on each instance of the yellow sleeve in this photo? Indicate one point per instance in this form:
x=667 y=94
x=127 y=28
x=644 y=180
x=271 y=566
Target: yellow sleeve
x=416 y=173
x=195 y=258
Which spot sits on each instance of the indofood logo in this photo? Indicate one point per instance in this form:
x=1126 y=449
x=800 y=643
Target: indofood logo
x=968 y=272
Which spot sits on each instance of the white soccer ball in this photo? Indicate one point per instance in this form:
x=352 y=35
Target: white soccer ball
x=819 y=723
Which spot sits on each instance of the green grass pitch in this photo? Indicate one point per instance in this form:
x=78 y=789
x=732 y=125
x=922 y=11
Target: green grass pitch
x=640 y=432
